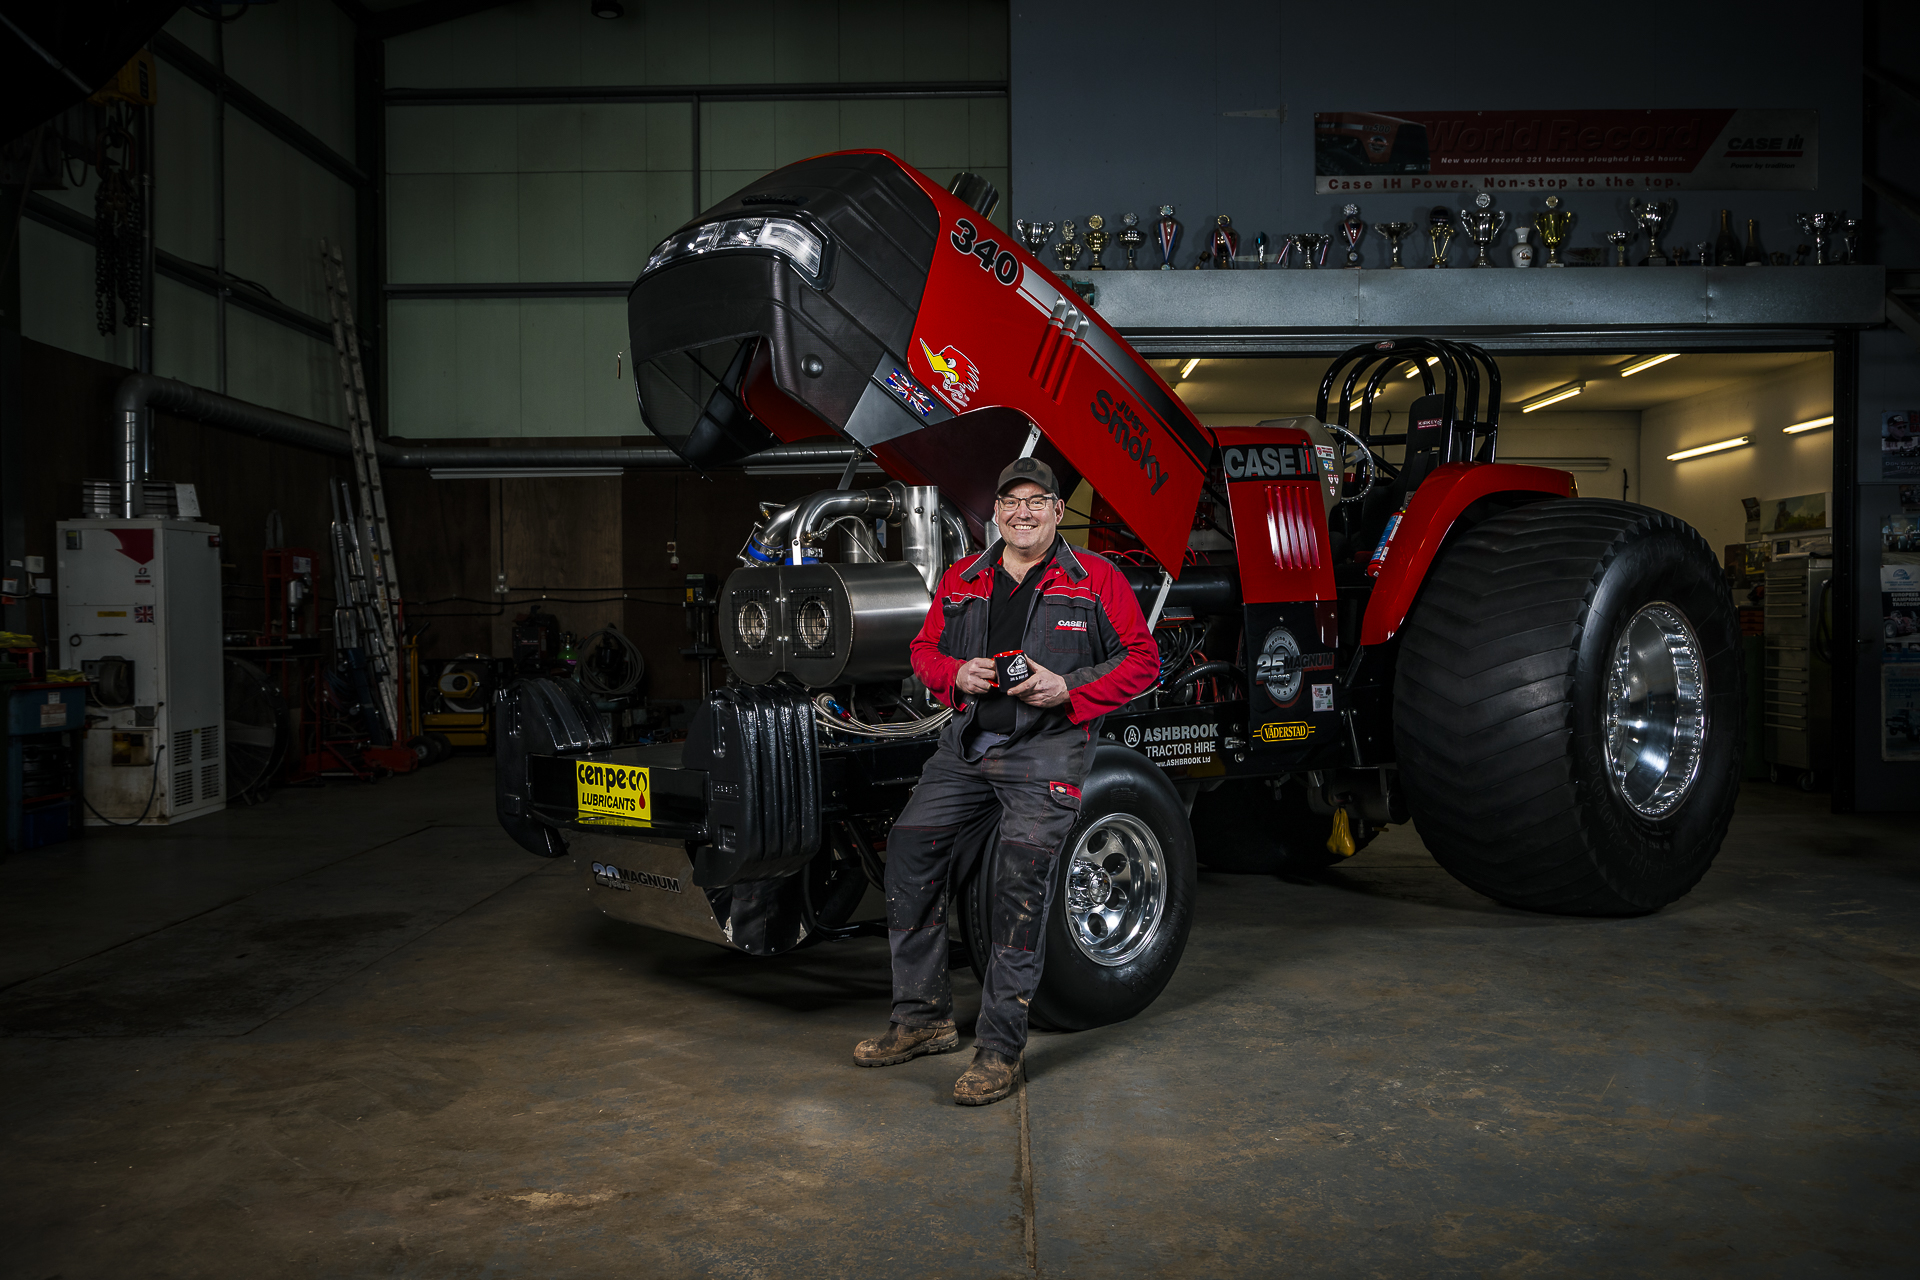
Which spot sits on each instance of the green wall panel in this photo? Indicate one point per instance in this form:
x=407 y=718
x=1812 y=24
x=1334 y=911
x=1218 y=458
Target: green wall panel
x=184 y=186
x=185 y=342
x=279 y=206
x=480 y=195
x=282 y=368
x=298 y=56
x=504 y=367
x=660 y=42
x=56 y=296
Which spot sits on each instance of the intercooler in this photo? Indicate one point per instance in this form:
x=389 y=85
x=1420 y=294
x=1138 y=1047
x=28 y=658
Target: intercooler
x=824 y=624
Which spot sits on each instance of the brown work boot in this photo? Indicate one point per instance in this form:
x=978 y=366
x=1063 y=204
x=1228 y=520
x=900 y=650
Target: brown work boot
x=989 y=1079
x=903 y=1043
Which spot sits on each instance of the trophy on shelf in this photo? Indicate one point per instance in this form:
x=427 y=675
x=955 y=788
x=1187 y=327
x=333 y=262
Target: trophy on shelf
x=1352 y=230
x=1439 y=233
x=1033 y=234
x=1818 y=226
x=1131 y=237
x=1653 y=216
x=1619 y=240
x=1313 y=245
x=1849 y=239
x=1097 y=237
x=1068 y=250
x=1393 y=231
x=1482 y=225
x=1260 y=251
x=1168 y=230
x=1554 y=226
x=1225 y=244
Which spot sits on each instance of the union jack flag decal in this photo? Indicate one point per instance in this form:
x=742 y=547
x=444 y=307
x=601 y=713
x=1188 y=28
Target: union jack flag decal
x=904 y=387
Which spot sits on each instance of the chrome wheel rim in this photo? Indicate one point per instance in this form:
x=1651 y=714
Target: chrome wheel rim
x=1116 y=889
x=1656 y=710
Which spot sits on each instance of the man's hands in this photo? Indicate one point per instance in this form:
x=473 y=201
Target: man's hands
x=975 y=676
x=1041 y=689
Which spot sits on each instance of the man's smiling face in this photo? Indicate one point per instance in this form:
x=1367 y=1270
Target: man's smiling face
x=1025 y=529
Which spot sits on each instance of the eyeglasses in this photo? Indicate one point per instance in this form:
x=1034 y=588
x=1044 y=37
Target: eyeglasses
x=1034 y=504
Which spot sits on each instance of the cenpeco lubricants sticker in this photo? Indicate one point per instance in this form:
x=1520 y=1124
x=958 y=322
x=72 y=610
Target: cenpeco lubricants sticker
x=619 y=793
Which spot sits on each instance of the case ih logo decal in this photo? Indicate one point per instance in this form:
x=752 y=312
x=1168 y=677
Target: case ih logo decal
x=1070 y=624
x=1285 y=732
x=956 y=377
x=1130 y=433
x=966 y=238
x=916 y=399
x=1273 y=460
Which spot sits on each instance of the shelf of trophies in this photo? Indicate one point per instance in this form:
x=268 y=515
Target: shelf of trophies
x=1458 y=271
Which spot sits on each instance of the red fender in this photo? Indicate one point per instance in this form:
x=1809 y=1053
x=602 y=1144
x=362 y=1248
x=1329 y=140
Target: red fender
x=1436 y=505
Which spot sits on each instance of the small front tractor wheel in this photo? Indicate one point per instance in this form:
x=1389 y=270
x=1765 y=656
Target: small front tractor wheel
x=1568 y=708
x=1123 y=889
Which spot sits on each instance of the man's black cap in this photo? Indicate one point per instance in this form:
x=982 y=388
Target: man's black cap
x=1028 y=469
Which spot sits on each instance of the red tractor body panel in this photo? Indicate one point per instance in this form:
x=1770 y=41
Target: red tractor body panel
x=1275 y=491
x=1436 y=504
x=995 y=329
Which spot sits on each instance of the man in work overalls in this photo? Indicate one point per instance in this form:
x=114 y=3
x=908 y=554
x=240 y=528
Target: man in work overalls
x=1022 y=748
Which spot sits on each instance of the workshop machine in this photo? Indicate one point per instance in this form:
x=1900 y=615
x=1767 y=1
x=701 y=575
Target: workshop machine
x=1404 y=627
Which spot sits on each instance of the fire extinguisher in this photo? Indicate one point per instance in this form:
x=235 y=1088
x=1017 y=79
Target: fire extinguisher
x=1386 y=541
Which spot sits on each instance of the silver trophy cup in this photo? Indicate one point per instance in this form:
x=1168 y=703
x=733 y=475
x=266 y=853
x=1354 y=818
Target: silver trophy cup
x=1482 y=225
x=1653 y=217
x=1033 y=234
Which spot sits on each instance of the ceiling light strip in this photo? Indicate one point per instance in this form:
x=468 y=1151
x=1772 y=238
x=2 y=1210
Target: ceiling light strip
x=1808 y=425
x=1554 y=396
x=1632 y=367
x=1187 y=372
x=1716 y=447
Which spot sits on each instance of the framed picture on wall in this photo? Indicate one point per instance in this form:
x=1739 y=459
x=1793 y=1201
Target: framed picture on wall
x=1900 y=444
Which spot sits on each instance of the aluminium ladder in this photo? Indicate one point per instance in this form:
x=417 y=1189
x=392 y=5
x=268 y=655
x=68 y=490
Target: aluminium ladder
x=377 y=560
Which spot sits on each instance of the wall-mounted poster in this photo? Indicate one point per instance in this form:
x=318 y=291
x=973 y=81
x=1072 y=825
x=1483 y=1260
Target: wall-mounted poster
x=1717 y=149
x=1900 y=444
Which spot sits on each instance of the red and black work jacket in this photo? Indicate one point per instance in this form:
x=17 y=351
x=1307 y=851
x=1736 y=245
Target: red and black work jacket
x=1083 y=624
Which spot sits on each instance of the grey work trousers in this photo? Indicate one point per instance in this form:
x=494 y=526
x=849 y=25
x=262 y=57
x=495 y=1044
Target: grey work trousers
x=1034 y=786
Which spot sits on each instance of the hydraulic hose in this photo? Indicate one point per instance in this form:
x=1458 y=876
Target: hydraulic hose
x=1216 y=667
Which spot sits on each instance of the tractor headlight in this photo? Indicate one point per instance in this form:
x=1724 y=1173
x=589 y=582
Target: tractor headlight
x=782 y=237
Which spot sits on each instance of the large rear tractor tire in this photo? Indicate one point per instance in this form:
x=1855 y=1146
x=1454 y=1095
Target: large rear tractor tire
x=1568 y=708
x=1123 y=889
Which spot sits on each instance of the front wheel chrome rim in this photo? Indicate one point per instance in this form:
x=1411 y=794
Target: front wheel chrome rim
x=1656 y=710
x=1116 y=889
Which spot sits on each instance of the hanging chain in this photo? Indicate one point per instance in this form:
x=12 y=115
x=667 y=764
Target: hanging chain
x=119 y=219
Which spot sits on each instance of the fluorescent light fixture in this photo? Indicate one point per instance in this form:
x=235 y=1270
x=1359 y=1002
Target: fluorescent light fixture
x=1187 y=371
x=1808 y=425
x=1563 y=464
x=1415 y=371
x=1355 y=403
x=1554 y=396
x=1715 y=447
x=1632 y=367
x=521 y=473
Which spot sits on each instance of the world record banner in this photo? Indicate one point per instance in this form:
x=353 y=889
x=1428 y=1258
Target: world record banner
x=1718 y=149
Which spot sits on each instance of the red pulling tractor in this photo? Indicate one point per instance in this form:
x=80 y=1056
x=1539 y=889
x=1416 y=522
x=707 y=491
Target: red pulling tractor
x=1405 y=628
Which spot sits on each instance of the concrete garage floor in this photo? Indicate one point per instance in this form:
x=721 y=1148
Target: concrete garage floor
x=356 y=1032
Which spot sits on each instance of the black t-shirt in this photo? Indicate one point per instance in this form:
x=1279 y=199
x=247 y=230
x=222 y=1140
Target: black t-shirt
x=1006 y=631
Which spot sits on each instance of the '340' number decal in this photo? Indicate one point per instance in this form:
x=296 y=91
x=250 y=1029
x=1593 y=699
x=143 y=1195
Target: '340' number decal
x=966 y=238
